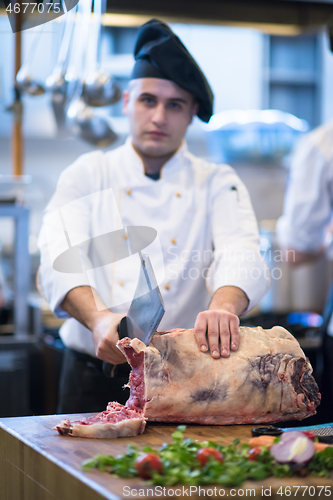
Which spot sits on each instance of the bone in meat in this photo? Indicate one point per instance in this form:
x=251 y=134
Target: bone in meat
x=268 y=379
x=116 y=421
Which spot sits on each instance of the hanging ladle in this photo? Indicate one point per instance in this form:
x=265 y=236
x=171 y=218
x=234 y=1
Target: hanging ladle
x=57 y=82
x=82 y=118
x=24 y=81
x=90 y=127
x=99 y=88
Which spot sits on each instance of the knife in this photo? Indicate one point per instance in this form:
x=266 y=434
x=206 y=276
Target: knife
x=324 y=432
x=146 y=310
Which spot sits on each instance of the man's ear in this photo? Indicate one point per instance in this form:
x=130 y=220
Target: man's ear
x=125 y=101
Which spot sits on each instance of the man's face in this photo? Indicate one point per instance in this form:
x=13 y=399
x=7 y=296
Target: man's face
x=159 y=113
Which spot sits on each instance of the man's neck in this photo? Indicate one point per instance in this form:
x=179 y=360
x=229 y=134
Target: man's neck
x=153 y=165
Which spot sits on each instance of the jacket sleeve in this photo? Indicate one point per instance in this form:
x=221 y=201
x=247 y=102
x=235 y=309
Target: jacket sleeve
x=66 y=224
x=307 y=205
x=237 y=260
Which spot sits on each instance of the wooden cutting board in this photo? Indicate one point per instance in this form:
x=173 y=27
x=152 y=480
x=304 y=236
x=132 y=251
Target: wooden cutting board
x=36 y=463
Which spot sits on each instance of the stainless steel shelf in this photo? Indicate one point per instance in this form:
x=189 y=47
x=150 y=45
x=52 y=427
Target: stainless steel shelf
x=20 y=214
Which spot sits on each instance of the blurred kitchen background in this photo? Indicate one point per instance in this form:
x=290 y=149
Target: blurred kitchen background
x=272 y=76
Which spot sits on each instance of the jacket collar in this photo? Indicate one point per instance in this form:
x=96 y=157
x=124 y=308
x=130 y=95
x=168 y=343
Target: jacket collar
x=176 y=163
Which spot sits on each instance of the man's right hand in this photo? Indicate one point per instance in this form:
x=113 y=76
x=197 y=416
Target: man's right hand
x=89 y=310
x=105 y=337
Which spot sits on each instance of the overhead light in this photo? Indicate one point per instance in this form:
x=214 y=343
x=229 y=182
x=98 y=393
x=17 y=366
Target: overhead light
x=124 y=20
x=136 y=20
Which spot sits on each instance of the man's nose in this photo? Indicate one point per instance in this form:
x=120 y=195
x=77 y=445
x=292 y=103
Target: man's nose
x=159 y=115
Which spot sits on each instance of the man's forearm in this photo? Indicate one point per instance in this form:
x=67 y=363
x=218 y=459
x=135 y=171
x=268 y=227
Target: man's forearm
x=81 y=304
x=296 y=258
x=230 y=298
x=88 y=308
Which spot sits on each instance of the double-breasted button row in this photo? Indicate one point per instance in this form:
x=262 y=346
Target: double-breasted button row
x=129 y=191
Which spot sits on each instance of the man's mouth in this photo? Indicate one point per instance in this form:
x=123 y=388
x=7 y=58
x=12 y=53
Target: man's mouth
x=156 y=133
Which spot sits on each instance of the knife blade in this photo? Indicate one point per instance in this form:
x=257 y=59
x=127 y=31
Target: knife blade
x=146 y=310
x=324 y=432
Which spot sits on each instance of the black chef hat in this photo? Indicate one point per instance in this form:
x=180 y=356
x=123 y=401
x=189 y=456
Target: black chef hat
x=160 y=54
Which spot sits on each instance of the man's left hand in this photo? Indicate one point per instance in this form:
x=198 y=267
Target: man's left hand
x=220 y=325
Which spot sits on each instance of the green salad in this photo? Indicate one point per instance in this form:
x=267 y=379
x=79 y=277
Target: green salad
x=190 y=462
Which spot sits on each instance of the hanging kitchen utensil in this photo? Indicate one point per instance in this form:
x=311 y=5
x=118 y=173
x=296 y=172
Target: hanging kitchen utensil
x=76 y=49
x=24 y=81
x=99 y=88
x=56 y=82
x=80 y=117
x=89 y=126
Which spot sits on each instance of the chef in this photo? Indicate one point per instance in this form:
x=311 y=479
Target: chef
x=205 y=255
x=304 y=231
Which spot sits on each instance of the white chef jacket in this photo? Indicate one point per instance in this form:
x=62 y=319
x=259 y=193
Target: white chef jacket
x=207 y=235
x=308 y=205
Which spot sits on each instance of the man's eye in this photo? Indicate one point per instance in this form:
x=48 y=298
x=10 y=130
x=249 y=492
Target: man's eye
x=174 y=105
x=147 y=100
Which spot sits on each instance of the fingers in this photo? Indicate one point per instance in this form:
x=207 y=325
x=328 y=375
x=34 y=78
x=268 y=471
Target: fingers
x=110 y=350
x=229 y=335
x=214 y=327
x=200 y=329
x=213 y=335
x=109 y=353
x=234 y=333
x=105 y=338
x=225 y=337
x=113 y=358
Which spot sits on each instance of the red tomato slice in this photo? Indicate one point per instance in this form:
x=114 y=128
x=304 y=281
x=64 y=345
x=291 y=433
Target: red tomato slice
x=204 y=454
x=148 y=462
x=309 y=434
x=253 y=453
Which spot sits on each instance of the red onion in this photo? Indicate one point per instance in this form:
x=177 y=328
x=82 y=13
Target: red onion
x=288 y=435
x=294 y=447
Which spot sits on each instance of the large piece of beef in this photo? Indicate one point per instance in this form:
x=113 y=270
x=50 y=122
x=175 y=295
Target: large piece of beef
x=268 y=379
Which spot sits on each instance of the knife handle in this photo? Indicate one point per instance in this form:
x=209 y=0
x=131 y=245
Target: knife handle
x=108 y=369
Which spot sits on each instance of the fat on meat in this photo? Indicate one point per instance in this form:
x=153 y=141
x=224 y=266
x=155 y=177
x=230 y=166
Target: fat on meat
x=268 y=379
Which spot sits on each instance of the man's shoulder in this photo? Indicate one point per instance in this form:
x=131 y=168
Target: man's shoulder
x=211 y=169
x=318 y=141
x=324 y=130
x=93 y=162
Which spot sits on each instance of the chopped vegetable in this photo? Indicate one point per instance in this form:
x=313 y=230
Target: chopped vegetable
x=320 y=446
x=262 y=440
x=147 y=463
x=309 y=434
x=293 y=447
x=254 y=453
x=322 y=462
x=205 y=454
x=177 y=463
